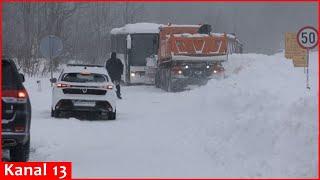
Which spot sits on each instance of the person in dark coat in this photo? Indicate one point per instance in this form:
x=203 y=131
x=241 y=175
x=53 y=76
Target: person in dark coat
x=114 y=67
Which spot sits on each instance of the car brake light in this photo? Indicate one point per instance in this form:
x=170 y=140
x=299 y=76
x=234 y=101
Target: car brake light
x=110 y=87
x=22 y=94
x=61 y=85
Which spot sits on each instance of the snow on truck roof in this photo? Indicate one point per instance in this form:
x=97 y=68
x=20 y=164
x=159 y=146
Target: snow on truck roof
x=144 y=28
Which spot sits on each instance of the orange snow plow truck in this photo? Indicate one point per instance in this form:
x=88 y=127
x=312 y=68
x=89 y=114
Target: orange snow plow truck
x=189 y=54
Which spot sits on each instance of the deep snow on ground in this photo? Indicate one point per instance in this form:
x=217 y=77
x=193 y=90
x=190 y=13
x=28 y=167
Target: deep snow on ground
x=260 y=121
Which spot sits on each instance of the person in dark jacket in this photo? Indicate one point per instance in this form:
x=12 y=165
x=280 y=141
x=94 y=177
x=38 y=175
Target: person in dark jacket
x=114 y=67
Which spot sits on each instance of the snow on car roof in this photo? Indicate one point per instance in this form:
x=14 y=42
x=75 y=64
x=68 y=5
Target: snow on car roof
x=87 y=69
x=144 y=28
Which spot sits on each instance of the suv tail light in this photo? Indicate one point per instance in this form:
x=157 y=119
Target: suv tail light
x=19 y=128
x=19 y=95
x=22 y=94
x=15 y=93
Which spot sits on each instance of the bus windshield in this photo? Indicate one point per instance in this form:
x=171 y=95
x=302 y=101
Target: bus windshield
x=143 y=46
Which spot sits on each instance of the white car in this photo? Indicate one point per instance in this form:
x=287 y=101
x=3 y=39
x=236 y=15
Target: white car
x=84 y=90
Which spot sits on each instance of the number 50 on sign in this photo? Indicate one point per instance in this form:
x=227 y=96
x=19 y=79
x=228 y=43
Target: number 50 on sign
x=307 y=37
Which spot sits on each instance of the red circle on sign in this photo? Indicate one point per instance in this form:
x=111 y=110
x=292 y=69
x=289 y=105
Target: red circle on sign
x=308 y=27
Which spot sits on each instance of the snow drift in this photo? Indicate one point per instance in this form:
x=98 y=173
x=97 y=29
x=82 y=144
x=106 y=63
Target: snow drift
x=260 y=121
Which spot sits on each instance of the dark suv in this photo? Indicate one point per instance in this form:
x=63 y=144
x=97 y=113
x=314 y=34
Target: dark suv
x=16 y=113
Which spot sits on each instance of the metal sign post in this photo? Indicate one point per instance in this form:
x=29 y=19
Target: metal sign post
x=307 y=38
x=50 y=58
x=51 y=47
x=308 y=87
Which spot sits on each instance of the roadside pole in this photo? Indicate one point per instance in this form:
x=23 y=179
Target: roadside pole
x=308 y=87
x=51 y=47
x=50 y=58
x=307 y=38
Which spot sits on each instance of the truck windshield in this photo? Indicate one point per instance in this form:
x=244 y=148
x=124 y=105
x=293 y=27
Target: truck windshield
x=143 y=46
x=84 y=78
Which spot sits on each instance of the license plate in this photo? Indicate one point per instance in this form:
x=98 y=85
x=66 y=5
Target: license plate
x=84 y=103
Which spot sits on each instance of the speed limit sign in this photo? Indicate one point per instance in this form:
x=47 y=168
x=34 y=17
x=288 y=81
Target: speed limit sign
x=307 y=37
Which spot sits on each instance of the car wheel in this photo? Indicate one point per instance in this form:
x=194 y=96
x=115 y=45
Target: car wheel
x=56 y=113
x=20 y=153
x=112 y=115
x=52 y=113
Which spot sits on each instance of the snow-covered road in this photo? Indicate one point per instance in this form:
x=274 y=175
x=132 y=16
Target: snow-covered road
x=259 y=122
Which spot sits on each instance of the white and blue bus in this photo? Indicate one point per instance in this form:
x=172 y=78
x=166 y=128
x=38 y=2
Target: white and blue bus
x=133 y=43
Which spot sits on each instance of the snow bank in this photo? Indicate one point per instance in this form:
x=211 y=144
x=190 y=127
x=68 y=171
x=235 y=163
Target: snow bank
x=261 y=121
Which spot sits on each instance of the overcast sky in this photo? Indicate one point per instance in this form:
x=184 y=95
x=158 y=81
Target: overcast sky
x=260 y=26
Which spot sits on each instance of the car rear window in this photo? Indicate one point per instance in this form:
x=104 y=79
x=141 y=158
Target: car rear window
x=84 y=78
x=9 y=79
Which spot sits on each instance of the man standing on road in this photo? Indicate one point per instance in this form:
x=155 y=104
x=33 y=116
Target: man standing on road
x=114 y=67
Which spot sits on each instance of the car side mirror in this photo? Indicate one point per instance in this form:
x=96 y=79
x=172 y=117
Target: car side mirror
x=21 y=76
x=53 y=80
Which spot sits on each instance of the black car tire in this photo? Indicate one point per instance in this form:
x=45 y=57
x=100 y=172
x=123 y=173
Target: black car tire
x=156 y=80
x=56 y=113
x=112 y=115
x=52 y=113
x=20 y=153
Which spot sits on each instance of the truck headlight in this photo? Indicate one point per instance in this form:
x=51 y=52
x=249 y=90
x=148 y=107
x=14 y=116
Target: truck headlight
x=208 y=66
x=133 y=74
x=215 y=71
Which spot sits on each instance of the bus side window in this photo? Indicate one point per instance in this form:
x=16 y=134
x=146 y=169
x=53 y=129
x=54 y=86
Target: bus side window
x=113 y=43
x=155 y=43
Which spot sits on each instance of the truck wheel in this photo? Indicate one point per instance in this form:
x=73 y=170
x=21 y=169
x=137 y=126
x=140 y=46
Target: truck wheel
x=169 y=87
x=20 y=153
x=164 y=80
x=169 y=83
x=156 y=80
